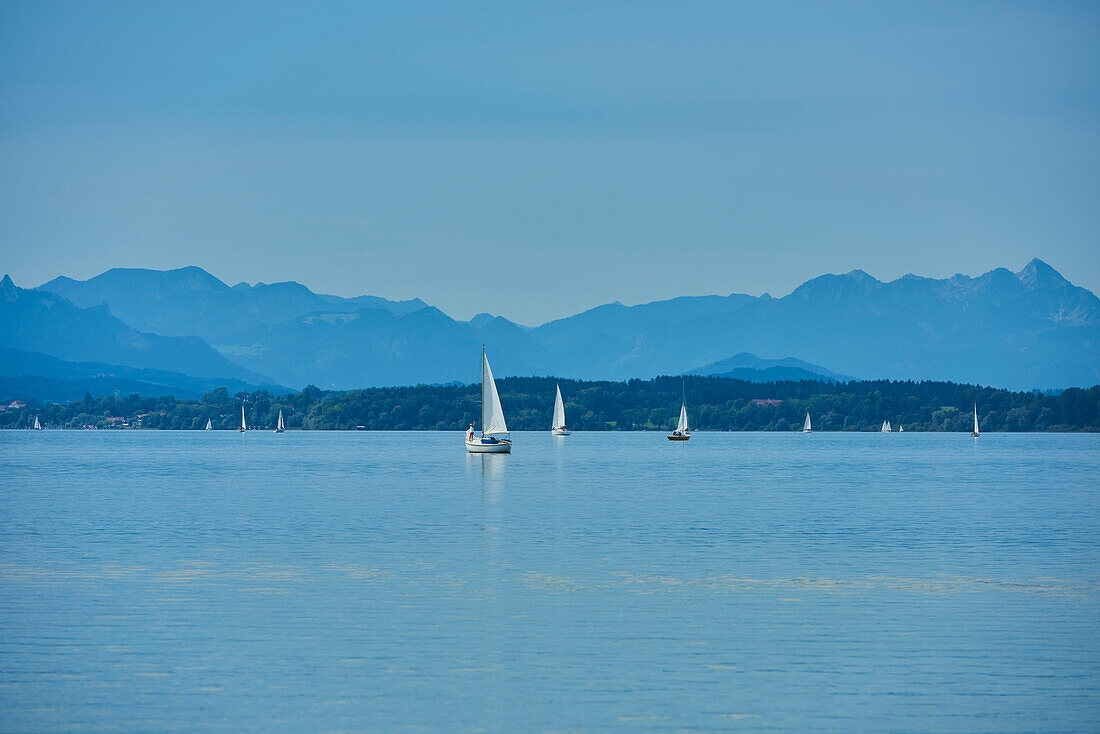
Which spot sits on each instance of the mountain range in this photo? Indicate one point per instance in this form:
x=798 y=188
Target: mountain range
x=42 y=322
x=1021 y=330
x=190 y=301
x=50 y=379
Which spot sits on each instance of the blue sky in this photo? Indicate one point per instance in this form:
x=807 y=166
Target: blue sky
x=533 y=161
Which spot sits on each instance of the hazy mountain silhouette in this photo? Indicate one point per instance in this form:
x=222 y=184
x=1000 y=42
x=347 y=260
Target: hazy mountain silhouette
x=192 y=302
x=1019 y=330
x=33 y=374
x=37 y=321
x=371 y=347
x=751 y=368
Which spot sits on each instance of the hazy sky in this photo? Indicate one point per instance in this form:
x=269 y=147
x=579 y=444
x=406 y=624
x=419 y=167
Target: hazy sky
x=534 y=161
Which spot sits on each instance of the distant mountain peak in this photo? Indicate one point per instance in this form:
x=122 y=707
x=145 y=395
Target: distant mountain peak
x=861 y=275
x=750 y=367
x=7 y=289
x=481 y=319
x=831 y=285
x=1037 y=274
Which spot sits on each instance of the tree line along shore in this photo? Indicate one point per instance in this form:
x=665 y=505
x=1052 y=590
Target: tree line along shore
x=716 y=404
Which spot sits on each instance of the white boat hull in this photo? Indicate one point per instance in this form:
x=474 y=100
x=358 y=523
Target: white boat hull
x=477 y=447
x=560 y=431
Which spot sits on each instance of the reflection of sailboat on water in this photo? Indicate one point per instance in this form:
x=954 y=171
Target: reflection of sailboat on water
x=280 y=427
x=209 y=425
x=244 y=426
x=557 y=426
x=806 y=427
x=975 y=432
x=492 y=417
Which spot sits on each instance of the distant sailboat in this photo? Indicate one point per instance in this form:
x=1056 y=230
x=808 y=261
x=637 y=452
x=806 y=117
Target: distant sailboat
x=886 y=427
x=975 y=432
x=37 y=425
x=280 y=427
x=557 y=426
x=901 y=429
x=492 y=417
x=244 y=426
x=209 y=425
x=806 y=427
x=683 y=431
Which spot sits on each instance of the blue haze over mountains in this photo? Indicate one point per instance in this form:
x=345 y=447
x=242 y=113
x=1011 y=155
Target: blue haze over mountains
x=1020 y=330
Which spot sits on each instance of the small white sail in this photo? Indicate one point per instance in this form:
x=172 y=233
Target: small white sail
x=37 y=425
x=492 y=415
x=806 y=427
x=559 y=412
x=280 y=427
x=244 y=426
x=975 y=431
x=209 y=425
x=901 y=429
x=886 y=427
x=682 y=425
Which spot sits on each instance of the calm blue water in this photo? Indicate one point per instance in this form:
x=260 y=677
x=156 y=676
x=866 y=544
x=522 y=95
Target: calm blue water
x=604 y=582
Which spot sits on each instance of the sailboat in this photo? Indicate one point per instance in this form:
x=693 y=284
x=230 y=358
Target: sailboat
x=806 y=427
x=280 y=427
x=901 y=429
x=492 y=417
x=975 y=432
x=37 y=425
x=886 y=427
x=209 y=425
x=244 y=426
x=557 y=426
x=682 y=432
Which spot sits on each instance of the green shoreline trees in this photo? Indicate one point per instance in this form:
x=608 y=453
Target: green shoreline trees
x=715 y=404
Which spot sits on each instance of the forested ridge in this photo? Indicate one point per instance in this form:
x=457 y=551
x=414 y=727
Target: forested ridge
x=714 y=404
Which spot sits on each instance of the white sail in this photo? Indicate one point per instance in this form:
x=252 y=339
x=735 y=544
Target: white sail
x=559 y=412
x=806 y=427
x=37 y=425
x=975 y=419
x=886 y=427
x=209 y=425
x=244 y=426
x=492 y=415
x=901 y=429
x=682 y=425
x=281 y=427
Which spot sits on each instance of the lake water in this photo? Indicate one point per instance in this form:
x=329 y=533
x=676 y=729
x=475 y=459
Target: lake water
x=602 y=582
